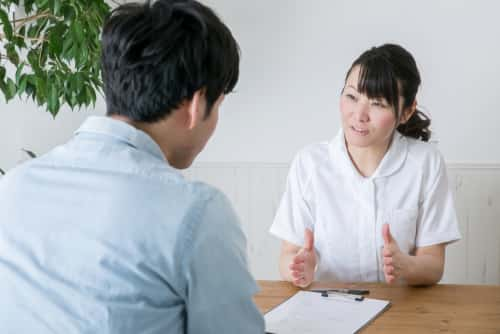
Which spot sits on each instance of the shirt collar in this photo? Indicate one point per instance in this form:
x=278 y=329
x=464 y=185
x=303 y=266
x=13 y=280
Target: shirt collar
x=390 y=164
x=122 y=131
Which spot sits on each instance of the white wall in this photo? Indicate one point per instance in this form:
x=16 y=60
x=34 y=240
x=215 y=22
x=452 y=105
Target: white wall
x=296 y=53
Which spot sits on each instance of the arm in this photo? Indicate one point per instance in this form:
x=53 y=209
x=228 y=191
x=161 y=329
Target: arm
x=220 y=287
x=427 y=265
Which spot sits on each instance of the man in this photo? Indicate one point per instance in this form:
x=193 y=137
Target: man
x=103 y=234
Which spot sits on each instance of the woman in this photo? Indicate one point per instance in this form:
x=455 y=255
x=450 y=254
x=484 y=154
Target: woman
x=373 y=204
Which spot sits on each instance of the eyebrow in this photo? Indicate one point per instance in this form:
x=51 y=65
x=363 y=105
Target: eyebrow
x=351 y=86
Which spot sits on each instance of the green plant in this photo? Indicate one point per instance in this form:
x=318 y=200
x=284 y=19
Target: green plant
x=54 y=48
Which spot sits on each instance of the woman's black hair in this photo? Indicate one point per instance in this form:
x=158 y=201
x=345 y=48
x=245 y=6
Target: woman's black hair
x=157 y=54
x=389 y=71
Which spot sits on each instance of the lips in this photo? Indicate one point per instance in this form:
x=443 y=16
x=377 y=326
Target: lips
x=359 y=131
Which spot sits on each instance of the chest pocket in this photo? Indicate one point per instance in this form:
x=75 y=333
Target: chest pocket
x=403 y=227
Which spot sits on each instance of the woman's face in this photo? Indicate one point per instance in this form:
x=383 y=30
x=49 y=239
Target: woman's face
x=367 y=123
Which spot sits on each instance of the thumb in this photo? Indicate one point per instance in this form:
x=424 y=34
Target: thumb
x=386 y=234
x=308 y=240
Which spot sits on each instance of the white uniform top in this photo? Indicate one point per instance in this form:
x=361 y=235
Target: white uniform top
x=324 y=192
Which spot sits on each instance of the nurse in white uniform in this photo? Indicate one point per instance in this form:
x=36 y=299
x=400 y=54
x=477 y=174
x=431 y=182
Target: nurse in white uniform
x=373 y=204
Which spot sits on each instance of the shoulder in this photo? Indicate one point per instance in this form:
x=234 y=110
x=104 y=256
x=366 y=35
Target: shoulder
x=426 y=158
x=16 y=175
x=423 y=154
x=210 y=209
x=311 y=156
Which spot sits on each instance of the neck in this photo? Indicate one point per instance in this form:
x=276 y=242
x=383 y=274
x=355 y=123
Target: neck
x=367 y=159
x=168 y=137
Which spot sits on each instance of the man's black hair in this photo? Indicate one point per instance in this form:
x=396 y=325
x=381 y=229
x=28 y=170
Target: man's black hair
x=156 y=55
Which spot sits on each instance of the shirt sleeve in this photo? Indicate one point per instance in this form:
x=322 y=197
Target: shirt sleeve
x=220 y=287
x=437 y=221
x=294 y=214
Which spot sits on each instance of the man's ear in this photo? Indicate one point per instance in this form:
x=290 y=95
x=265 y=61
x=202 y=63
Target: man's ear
x=195 y=109
x=408 y=112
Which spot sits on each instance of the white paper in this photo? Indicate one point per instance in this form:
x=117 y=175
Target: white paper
x=311 y=313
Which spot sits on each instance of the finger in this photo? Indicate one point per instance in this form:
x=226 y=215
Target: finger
x=390 y=279
x=386 y=234
x=387 y=252
x=299 y=258
x=308 y=240
x=389 y=270
x=297 y=274
x=297 y=266
x=300 y=282
x=388 y=260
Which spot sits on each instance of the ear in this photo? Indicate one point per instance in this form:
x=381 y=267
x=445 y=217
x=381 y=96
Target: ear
x=408 y=112
x=195 y=109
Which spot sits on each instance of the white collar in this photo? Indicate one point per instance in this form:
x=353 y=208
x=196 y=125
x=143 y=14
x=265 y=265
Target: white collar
x=393 y=159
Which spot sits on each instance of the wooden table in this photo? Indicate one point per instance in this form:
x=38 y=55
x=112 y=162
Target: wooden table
x=438 y=309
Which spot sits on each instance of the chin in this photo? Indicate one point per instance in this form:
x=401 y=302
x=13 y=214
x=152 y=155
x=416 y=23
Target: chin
x=359 y=141
x=181 y=162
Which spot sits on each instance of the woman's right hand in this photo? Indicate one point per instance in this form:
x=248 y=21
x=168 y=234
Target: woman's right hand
x=303 y=264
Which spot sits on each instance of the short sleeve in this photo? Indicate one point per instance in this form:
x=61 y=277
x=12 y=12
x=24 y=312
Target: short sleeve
x=294 y=214
x=437 y=221
x=220 y=287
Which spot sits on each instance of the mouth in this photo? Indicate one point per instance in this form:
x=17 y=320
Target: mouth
x=359 y=131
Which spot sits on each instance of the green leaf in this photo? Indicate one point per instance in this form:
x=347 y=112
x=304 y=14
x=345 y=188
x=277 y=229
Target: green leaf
x=19 y=71
x=57 y=7
x=68 y=13
x=77 y=31
x=29 y=153
x=44 y=54
x=22 y=84
x=28 y=6
x=3 y=71
x=31 y=86
x=67 y=46
x=2 y=172
x=55 y=40
x=32 y=30
x=10 y=91
x=12 y=53
x=7 y=27
x=33 y=60
x=53 y=100
x=41 y=90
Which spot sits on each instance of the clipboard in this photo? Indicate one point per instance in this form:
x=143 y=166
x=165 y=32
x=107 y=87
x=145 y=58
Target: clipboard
x=309 y=312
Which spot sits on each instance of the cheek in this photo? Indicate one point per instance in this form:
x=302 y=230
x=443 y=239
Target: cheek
x=344 y=109
x=386 y=121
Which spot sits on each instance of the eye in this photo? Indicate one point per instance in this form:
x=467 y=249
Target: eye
x=379 y=104
x=350 y=96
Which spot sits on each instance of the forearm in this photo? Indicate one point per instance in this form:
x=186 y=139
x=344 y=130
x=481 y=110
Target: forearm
x=423 y=269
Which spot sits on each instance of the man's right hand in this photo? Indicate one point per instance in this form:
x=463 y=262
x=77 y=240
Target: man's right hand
x=303 y=264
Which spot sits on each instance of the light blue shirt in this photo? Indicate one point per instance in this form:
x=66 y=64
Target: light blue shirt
x=101 y=235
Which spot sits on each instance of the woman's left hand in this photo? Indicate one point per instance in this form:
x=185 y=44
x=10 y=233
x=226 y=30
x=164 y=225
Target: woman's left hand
x=396 y=263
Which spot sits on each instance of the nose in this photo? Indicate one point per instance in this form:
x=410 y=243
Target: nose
x=361 y=113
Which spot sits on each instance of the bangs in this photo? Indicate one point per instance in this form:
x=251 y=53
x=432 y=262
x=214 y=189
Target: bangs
x=377 y=80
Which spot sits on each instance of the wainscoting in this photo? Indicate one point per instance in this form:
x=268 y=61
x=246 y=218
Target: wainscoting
x=255 y=190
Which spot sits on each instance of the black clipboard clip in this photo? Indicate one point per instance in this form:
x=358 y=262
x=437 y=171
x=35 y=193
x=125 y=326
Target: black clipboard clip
x=357 y=295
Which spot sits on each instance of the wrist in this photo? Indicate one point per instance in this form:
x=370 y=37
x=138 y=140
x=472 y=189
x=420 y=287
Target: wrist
x=408 y=266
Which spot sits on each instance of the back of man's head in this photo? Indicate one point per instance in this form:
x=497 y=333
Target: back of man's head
x=158 y=54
